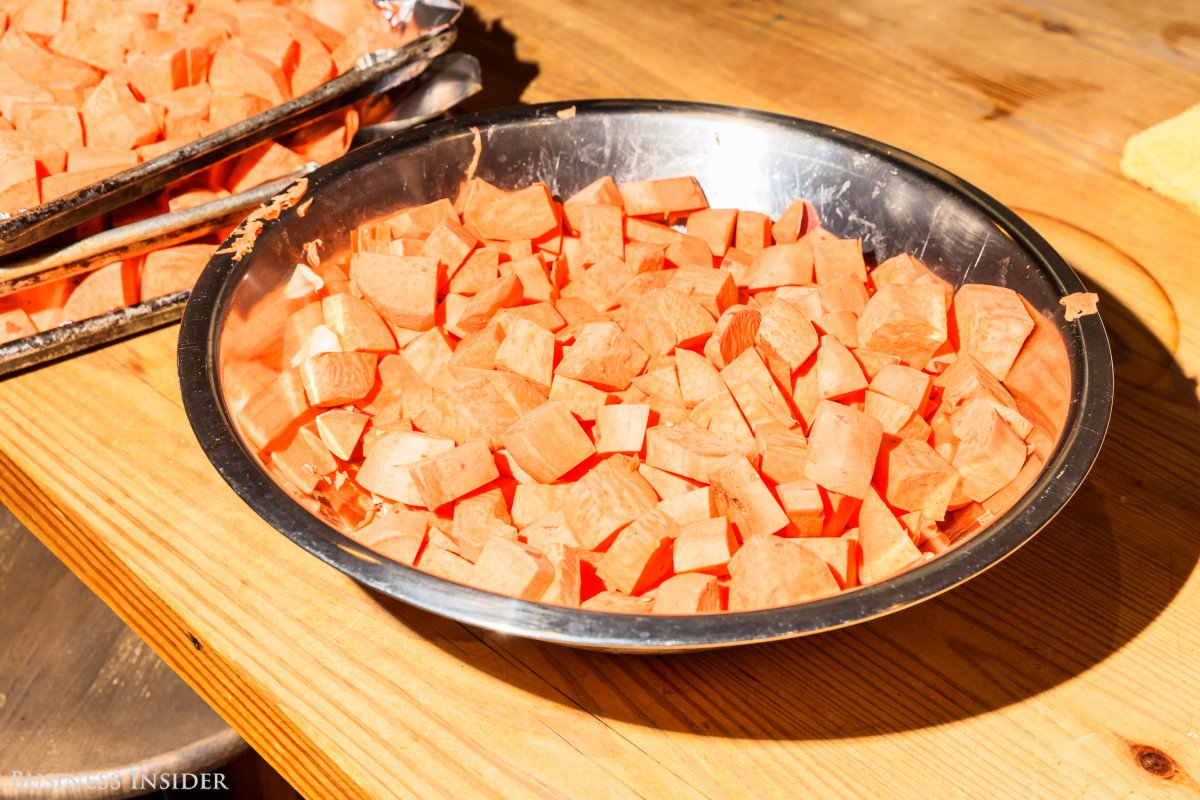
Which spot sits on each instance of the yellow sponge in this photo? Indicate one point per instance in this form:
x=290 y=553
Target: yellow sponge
x=1166 y=158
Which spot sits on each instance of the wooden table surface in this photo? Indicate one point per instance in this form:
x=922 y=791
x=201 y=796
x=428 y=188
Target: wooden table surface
x=1070 y=670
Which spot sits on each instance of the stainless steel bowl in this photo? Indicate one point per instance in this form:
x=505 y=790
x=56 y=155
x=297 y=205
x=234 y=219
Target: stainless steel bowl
x=894 y=201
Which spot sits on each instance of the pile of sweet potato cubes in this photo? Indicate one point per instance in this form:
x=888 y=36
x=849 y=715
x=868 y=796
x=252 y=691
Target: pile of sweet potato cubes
x=629 y=401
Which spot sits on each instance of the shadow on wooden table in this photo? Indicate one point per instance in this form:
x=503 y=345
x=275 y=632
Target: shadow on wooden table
x=505 y=76
x=1082 y=589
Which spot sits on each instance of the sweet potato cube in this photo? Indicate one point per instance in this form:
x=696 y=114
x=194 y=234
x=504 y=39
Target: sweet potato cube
x=56 y=122
x=845 y=294
x=604 y=356
x=600 y=191
x=886 y=546
x=535 y=282
x=340 y=431
x=18 y=183
x=906 y=321
x=522 y=215
x=478 y=272
x=692 y=506
x=84 y=44
x=715 y=227
x=835 y=258
x=913 y=477
x=418 y=222
x=273 y=408
x=583 y=399
x=753 y=232
x=687 y=594
x=647 y=232
x=720 y=414
x=842 y=447
x=689 y=251
x=621 y=428
x=992 y=325
x=113 y=117
x=104 y=290
x=527 y=350
x=532 y=501
x=785 y=334
x=666 y=484
x=356 y=324
x=303 y=460
x=892 y=414
x=798 y=219
x=988 y=458
x=769 y=571
x=841 y=554
x=609 y=496
x=641 y=257
x=398 y=535
x=505 y=293
x=968 y=379
x=755 y=390
x=801 y=501
x=782 y=452
x=173 y=269
x=705 y=546
x=611 y=602
x=663 y=319
x=401 y=288
x=452 y=474
x=386 y=470
x=734 y=334
x=15 y=324
x=661 y=197
x=838 y=373
x=712 y=288
x=513 y=569
x=549 y=530
x=446 y=565
x=543 y=314
x=905 y=270
x=333 y=379
x=640 y=556
x=239 y=71
x=548 y=441
x=565 y=589
x=449 y=244
x=698 y=378
x=781 y=265
x=687 y=449
x=740 y=494
x=909 y=386
x=602 y=231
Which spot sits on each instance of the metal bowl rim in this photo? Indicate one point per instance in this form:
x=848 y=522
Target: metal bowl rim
x=1076 y=451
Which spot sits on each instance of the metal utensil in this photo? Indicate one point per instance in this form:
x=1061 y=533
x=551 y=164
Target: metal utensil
x=893 y=201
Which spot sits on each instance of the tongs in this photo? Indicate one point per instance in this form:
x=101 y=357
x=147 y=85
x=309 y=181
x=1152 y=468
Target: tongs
x=451 y=78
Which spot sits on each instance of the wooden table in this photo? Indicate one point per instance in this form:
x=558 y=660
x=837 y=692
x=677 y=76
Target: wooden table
x=1071 y=670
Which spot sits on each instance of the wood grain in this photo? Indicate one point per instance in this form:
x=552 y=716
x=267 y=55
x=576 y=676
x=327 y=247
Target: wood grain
x=1067 y=671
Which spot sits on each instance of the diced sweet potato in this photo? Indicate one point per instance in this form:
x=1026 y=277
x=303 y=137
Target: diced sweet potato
x=621 y=428
x=603 y=356
x=740 y=494
x=401 y=288
x=386 y=469
x=908 y=321
x=735 y=332
x=513 y=569
x=886 y=547
x=781 y=265
x=398 y=535
x=640 y=556
x=662 y=196
x=341 y=431
x=525 y=214
x=769 y=571
x=842 y=447
x=992 y=325
x=547 y=442
x=705 y=546
x=687 y=594
x=333 y=379
x=449 y=475
x=609 y=496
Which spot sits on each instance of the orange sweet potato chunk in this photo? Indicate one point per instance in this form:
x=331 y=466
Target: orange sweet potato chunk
x=593 y=413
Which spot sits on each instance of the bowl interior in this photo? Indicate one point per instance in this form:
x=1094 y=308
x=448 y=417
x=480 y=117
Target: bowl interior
x=893 y=201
